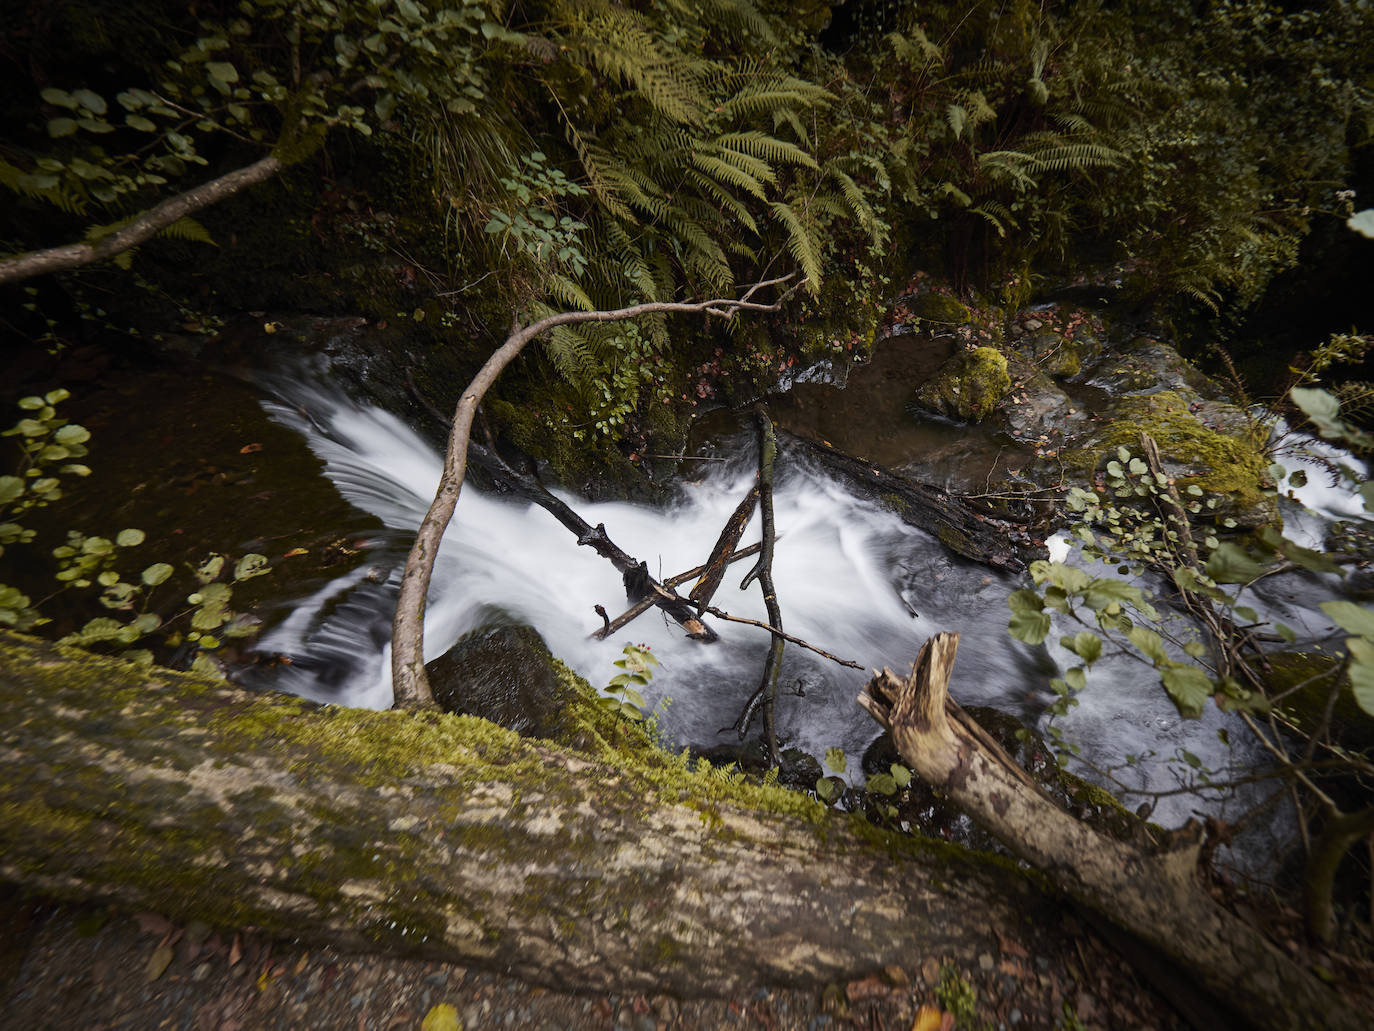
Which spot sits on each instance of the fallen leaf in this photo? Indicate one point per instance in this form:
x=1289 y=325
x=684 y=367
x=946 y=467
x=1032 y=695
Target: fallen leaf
x=867 y=988
x=158 y=962
x=235 y=951
x=927 y=1019
x=296 y=551
x=151 y=923
x=248 y=449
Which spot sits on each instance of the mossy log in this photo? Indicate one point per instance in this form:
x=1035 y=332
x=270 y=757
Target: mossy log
x=445 y=836
x=1155 y=895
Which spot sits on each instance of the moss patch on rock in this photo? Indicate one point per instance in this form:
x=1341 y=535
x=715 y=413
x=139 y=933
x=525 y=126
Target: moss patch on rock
x=1209 y=444
x=968 y=386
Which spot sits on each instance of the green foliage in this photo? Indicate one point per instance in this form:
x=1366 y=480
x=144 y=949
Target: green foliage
x=90 y=562
x=959 y=997
x=622 y=693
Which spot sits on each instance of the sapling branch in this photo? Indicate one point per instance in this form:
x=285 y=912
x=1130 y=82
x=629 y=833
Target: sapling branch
x=409 y=682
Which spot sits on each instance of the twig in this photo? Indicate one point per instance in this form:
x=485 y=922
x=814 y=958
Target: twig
x=777 y=632
x=645 y=604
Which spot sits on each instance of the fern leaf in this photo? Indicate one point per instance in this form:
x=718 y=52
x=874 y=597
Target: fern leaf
x=725 y=198
x=766 y=148
x=725 y=171
x=187 y=228
x=567 y=292
x=801 y=243
x=957 y=118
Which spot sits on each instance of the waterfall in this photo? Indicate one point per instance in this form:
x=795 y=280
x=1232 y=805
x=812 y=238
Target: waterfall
x=851 y=577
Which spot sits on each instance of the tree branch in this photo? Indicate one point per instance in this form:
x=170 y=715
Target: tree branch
x=409 y=682
x=158 y=217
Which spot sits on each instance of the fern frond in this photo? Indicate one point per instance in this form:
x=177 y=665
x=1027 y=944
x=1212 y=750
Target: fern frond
x=571 y=353
x=996 y=215
x=724 y=198
x=915 y=49
x=858 y=204
x=41 y=186
x=763 y=93
x=766 y=148
x=801 y=243
x=957 y=118
x=567 y=292
x=788 y=116
x=1059 y=156
x=187 y=228
x=616 y=43
x=726 y=172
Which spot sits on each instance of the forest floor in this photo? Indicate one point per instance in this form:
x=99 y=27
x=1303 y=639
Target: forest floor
x=65 y=966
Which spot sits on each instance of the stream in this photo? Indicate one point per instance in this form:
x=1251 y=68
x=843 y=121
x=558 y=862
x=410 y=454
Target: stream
x=852 y=578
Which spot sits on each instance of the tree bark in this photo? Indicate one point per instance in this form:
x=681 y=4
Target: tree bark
x=59 y=259
x=1157 y=897
x=409 y=683
x=443 y=836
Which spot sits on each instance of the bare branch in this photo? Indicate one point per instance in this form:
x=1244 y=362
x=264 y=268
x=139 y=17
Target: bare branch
x=410 y=685
x=173 y=209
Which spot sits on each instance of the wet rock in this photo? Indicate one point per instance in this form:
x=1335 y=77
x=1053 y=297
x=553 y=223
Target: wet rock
x=967 y=387
x=1148 y=366
x=1036 y=408
x=503 y=674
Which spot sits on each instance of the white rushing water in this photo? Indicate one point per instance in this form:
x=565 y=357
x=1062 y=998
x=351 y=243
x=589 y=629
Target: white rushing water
x=851 y=578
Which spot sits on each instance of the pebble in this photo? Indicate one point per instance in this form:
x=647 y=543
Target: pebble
x=1033 y=324
x=201 y=972
x=986 y=962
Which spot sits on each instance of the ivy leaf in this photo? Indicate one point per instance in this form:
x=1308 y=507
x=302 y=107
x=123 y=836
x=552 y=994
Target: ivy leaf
x=59 y=127
x=156 y=574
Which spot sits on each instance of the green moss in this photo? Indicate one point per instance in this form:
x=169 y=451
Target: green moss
x=968 y=386
x=938 y=308
x=1229 y=464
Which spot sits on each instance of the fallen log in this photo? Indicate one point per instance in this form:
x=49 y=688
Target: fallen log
x=442 y=836
x=954 y=521
x=1156 y=896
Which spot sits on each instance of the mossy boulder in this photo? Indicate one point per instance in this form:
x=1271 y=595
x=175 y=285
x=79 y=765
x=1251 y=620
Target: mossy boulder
x=1305 y=681
x=967 y=387
x=938 y=308
x=1207 y=443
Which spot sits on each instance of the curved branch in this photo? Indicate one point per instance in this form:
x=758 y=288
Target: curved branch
x=156 y=218
x=410 y=685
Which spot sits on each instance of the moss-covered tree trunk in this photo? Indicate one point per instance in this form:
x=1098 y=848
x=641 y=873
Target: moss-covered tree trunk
x=449 y=837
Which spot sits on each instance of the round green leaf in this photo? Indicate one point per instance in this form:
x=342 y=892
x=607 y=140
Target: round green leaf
x=130 y=538
x=156 y=574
